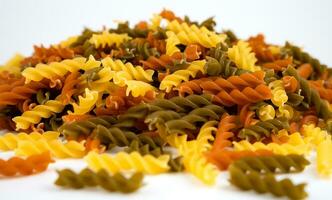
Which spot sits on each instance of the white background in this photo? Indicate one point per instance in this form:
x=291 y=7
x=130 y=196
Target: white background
x=24 y=23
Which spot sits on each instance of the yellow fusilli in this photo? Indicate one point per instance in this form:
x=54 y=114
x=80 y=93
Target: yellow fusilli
x=266 y=112
x=171 y=42
x=127 y=161
x=242 y=56
x=34 y=115
x=9 y=141
x=324 y=158
x=86 y=103
x=279 y=96
x=195 y=35
x=128 y=71
x=138 y=88
x=108 y=39
x=13 y=65
x=177 y=77
x=57 y=148
x=283 y=149
x=60 y=69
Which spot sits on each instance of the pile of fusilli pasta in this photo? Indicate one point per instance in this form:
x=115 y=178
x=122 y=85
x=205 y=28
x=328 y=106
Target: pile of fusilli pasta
x=252 y=108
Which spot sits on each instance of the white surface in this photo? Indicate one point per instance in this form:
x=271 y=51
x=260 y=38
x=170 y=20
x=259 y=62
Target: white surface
x=24 y=23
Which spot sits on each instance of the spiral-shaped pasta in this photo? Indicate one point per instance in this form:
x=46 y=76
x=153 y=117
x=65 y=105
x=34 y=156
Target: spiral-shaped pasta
x=13 y=65
x=108 y=39
x=32 y=164
x=283 y=149
x=279 y=96
x=314 y=135
x=233 y=82
x=272 y=164
x=37 y=113
x=9 y=141
x=196 y=164
x=192 y=119
x=237 y=97
x=117 y=137
x=123 y=161
x=311 y=96
x=117 y=182
x=304 y=57
x=286 y=111
x=173 y=80
x=85 y=127
x=86 y=103
x=57 y=148
x=268 y=183
x=57 y=68
x=324 y=160
x=69 y=87
x=138 y=88
x=195 y=35
x=127 y=70
x=264 y=128
x=171 y=42
x=266 y=112
x=16 y=92
x=218 y=63
x=242 y=56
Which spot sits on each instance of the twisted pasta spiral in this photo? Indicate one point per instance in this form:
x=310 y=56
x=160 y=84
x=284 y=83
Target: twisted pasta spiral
x=71 y=149
x=14 y=93
x=193 y=34
x=117 y=182
x=108 y=39
x=30 y=165
x=116 y=136
x=124 y=161
x=138 y=88
x=268 y=183
x=324 y=160
x=311 y=96
x=242 y=56
x=171 y=42
x=279 y=96
x=286 y=111
x=272 y=164
x=127 y=70
x=9 y=141
x=196 y=164
x=37 y=113
x=218 y=63
x=264 y=128
x=237 y=97
x=192 y=119
x=86 y=103
x=85 y=127
x=266 y=112
x=233 y=82
x=283 y=149
x=314 y=135
x=57 y=68
x=177 y=77
x=304 y=57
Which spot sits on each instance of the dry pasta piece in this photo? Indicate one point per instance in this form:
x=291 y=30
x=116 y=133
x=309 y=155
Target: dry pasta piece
x=242 y=56
x=57 y=148
x=108 y=39
x=123 y=162
x=324 y=159
x=9 y=141
x=86 y=103
x=30 y=165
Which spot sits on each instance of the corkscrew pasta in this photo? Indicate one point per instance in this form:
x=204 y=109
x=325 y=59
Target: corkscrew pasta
x=167 y=95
